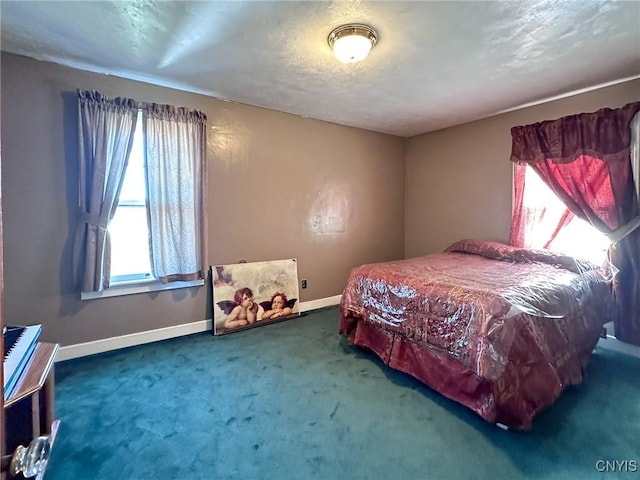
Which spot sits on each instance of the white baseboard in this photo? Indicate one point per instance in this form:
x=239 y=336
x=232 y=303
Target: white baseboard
x=114 y=343
x=320 y=303
x=612 y=343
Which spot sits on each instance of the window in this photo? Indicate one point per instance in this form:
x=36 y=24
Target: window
x=152 y=199
x=543 y=212
x=129 y=229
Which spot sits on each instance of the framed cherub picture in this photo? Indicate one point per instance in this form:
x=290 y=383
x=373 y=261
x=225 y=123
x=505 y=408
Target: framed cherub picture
x=247 y=295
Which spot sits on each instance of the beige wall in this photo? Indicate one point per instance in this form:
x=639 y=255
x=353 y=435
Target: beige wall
x=280 y=186
x=459 y=180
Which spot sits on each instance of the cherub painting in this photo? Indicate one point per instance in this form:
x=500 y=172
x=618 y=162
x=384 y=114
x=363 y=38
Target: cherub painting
x=249 y=294
x=242 y=312
x=278 y=306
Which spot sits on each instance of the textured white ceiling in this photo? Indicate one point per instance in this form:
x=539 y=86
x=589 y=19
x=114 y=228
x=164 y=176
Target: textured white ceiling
x=436 y=64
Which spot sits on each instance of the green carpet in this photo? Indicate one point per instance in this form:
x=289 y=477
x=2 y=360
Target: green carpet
x=293 y=401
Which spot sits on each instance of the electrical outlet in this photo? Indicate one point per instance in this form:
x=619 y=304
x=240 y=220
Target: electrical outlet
x=304 y=284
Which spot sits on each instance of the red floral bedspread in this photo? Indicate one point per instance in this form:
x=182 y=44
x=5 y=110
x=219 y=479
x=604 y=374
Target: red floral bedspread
x=500 y=329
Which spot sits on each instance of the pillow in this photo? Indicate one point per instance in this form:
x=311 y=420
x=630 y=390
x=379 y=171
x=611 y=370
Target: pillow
x=509 y=253
x=567 y=262
x=496 y=250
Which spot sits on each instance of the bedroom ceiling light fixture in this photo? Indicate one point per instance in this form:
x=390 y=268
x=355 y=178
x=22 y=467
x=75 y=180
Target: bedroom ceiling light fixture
x=352 y=42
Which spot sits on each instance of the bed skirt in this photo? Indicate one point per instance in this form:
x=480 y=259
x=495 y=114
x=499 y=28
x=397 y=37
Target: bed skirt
x=526 y=386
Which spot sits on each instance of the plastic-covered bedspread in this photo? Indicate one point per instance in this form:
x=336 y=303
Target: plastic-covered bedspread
x=500 y=329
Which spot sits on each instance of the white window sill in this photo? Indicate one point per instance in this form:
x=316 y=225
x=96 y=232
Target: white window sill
x=131 y=288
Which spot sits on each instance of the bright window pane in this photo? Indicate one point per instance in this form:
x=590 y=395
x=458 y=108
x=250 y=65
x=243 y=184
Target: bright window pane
x=129 y=242
x=578 y=238
x=134 y=186
x=581 y=240
x=128 y=230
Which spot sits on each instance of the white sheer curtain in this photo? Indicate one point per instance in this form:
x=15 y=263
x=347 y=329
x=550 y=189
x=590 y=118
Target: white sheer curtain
x=175 y=156
x=105 y=136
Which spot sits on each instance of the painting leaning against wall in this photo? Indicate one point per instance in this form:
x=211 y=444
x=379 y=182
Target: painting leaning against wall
x=247 y=295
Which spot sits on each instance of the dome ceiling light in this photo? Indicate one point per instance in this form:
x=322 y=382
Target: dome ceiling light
x=352 y=43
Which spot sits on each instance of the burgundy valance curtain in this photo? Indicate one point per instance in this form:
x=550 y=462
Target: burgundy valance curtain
x=585 y=160
x=604 y=134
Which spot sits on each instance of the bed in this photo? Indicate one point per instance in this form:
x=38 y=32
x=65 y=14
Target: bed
x=499 y=329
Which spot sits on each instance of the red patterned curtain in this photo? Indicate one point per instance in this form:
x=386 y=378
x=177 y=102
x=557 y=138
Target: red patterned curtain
x=525 y=220
x=585 y=160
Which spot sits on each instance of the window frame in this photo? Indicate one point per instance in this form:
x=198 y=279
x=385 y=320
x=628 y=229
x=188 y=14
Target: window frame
x=137 y=202
x=136 y=283
x=138 y=286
